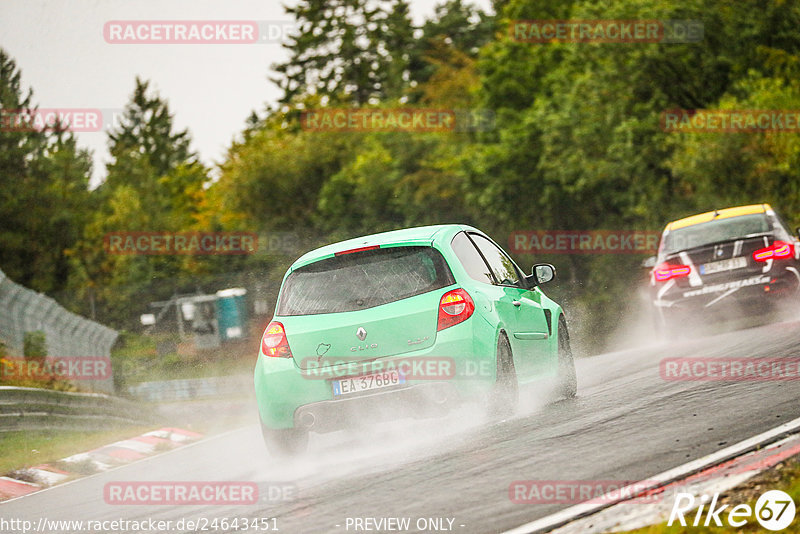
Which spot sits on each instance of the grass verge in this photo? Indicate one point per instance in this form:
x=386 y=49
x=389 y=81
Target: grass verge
x=27 y=448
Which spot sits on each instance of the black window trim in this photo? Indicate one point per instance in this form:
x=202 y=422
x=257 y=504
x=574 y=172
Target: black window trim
x=523 y=280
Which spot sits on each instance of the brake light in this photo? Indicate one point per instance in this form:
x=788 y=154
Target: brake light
x=665 y=272
x=274 y=343
x=352 y=250
x=455 y=307
x=777 y=251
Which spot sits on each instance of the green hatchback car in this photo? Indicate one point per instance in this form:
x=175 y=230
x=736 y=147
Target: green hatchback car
x=408 y=323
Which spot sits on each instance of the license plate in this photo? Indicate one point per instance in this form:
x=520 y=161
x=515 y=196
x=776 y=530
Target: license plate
x=357 y=384
x=723 y=265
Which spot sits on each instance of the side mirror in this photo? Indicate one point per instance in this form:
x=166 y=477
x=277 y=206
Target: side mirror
x=542 y=273
x=649 y=263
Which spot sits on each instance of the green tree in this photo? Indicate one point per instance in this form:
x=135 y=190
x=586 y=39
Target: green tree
x=578 y=143
x=154 y=184
x=157 y=161
x=44 y=194
x=756 y=167
x=352 y=51
x=274 y=176
x=447 y=41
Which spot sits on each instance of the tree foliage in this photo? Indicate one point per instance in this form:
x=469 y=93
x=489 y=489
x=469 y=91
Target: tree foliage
x=44 y=196
x=576 y=144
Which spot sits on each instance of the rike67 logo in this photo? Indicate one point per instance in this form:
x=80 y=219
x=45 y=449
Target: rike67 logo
x=774 y=510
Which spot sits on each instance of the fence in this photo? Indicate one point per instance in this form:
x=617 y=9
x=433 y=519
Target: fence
x=66 y=334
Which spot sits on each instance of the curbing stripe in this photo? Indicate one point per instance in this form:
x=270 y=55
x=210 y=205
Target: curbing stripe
x=114 y=468
x=572 y=513
x=11 y=487
x=121 y=452
x=719 y=478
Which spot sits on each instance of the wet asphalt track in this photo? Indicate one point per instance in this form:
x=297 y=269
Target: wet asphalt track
x=626 y=424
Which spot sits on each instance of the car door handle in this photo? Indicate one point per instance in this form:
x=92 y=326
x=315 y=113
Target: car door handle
x=516 y=303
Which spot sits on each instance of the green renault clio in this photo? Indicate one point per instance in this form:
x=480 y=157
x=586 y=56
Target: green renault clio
x=408 y=323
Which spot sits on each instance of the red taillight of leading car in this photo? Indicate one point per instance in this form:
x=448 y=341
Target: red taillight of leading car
x=455 y=307
x=778 y=250
x=665 y=272
x=274 y=343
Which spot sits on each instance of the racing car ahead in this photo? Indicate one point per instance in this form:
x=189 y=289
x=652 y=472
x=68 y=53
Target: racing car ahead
x=721 y=265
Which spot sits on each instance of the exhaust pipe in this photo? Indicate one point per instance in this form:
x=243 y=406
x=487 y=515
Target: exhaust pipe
x=307 y=420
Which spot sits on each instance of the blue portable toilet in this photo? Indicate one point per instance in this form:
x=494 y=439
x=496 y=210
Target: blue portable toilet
x=232 y=313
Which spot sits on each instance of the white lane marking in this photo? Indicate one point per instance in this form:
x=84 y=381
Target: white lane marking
x=580 y=510
x=632 y=515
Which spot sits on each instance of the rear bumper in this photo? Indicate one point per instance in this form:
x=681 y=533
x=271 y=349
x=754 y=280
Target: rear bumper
x=754 y=294
x=289 y=397
x=419 y=400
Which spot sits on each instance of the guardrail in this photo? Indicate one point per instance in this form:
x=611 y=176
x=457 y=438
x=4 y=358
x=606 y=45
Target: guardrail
x=38 y=409
x=194 y=388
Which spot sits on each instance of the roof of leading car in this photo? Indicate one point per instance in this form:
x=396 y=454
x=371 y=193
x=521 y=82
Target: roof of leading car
x=718 y=214
x=407 y=236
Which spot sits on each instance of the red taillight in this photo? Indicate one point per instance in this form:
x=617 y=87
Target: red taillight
x=665 y=272
x=274 y=343
x=352 y=250
x=777 y=251
x=455 y=307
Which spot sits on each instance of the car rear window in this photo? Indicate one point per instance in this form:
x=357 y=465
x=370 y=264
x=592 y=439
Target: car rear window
x=363 y=280
x=716 y=231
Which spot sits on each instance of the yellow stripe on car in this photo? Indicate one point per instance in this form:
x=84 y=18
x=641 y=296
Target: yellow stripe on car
x=718 y=214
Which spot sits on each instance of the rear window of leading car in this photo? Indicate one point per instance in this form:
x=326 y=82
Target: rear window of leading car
x=363 y=280
x=715 y=231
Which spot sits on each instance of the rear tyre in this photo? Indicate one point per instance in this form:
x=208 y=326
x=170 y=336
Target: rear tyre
x=567 y=379
x=285 y=442
x=504 y=397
